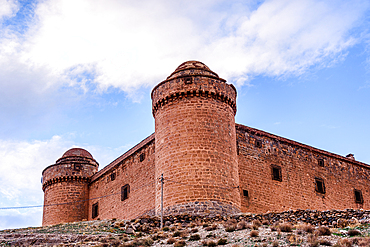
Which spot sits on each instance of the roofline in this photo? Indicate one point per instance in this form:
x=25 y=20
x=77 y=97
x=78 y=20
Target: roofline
x=117 y=161
x=301 y=145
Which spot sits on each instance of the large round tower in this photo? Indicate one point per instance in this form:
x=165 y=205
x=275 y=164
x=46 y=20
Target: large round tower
x=65 y=186
x=195 y=142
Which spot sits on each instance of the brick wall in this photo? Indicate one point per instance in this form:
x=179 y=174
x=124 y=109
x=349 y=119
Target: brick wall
x=300 y=168
x=136 y=169
x=72 y=199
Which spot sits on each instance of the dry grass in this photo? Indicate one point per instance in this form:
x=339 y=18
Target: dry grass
x=323 y=231
x=308 y=228
x=285 y=227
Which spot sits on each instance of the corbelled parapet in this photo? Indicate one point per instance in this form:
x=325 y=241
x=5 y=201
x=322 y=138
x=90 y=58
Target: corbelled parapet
x=191 y=79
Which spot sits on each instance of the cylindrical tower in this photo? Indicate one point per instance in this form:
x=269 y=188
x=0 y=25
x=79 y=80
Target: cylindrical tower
x=65 y=186
x=195 y=142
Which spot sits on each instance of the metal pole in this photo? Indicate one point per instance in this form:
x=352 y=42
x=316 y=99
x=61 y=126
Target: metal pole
x=162 y=201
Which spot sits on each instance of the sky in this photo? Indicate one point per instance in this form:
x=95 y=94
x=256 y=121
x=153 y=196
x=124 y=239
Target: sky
x=79 y=74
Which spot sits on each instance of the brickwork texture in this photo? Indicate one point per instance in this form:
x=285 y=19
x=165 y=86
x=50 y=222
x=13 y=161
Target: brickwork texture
x=210 y=165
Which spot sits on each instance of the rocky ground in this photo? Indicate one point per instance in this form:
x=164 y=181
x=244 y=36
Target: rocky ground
x=291 y=228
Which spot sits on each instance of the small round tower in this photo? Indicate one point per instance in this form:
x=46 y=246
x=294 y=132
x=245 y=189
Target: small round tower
x=65 y=186
x=195 y=142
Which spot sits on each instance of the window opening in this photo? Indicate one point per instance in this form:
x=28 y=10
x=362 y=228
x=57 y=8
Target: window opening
x=77 y=167
x=319 y=185
x=358 y=196
x=321 y=162
x=112 y=176
x=258 y=143
x=95 y=210
x=142 y=157
x=245 y=193
x=125 y=190
x=276 y=173
x=188 y=80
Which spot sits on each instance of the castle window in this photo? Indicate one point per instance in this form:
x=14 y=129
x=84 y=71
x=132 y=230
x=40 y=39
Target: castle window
x=113 y=176
x=258 y=143
x=358 y=196
x=276 y=173
x=245 y=193
x=188 y=80
x=142 y=157
x=77 y=167
x=321 y=162
x=125 y=190
x=95 y=210
x=319 y=185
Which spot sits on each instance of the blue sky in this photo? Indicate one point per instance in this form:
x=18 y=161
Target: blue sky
x=79 y=74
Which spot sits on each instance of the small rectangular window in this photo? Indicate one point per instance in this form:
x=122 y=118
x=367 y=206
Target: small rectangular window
x=112 y=176
x=320 y=185
x=95 y=210
x=125 y=191
x=358 y=196
x=77 y=167
x=142 y=157
x=188 y=80
x=245 y=193
x=276 y=173
x=321 y=162
x=258 y=143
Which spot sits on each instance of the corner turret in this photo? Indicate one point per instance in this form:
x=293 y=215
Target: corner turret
x=65 y=186
x=195 y=142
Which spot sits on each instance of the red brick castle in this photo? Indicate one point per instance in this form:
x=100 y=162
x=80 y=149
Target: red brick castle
x=210 y=164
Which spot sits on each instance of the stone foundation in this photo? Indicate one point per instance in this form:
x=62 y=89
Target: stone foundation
x=210 y=208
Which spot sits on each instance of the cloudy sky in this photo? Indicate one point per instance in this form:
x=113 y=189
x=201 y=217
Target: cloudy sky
x=79 y=74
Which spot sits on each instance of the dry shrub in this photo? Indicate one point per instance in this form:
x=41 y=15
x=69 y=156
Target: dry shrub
x=241 y=225
x=344 y=242
x=364 y=242
x=275 y=243
x=194 y=237
x=312 y=240
x=210 y=243
x=173 y=228
x=171 y=241
x=273 y=228
x=176 y=234
x=194 y=230
x=286 y=227
x=323 y=231
x=305 y=228
x=342 y=223
x=221 y=241
x=230 y=228
x=211 y=228
x=265 y=222
x=254 y=233
x=256 y=223
x=353 y=232
x=205 y=225
x=179 y=243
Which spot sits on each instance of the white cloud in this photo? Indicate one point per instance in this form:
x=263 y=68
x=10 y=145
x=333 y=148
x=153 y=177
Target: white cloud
x=132 y=44
x=8 y=8
x=287 y=37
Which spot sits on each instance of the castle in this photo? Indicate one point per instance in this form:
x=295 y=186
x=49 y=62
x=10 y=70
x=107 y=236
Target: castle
x=208 y=164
